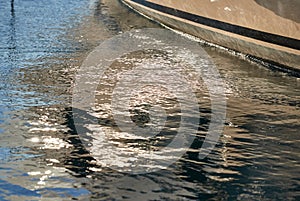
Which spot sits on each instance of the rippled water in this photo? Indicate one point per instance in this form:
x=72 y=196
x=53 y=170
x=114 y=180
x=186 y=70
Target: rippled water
x=43 y=43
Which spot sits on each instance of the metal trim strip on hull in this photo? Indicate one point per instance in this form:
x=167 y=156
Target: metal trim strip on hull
x=236 y=29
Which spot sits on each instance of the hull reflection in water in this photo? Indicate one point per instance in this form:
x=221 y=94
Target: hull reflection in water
x=271 y=34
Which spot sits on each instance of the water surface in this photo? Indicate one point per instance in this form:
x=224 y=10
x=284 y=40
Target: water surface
x=42 y=45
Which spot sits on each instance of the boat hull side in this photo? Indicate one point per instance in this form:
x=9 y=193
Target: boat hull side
x=290 y=58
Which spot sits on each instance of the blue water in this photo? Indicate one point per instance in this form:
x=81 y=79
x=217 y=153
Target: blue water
x=31 y=32
x=42 y=45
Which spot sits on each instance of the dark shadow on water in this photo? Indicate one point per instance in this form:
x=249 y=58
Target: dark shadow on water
x=12 y=34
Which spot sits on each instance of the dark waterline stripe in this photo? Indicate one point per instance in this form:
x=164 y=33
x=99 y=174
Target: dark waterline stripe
x=243 y=31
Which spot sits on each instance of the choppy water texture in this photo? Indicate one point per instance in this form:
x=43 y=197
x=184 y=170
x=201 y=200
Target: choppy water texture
x=42 y=44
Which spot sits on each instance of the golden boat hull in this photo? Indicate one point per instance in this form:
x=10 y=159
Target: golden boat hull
x=269 y=30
